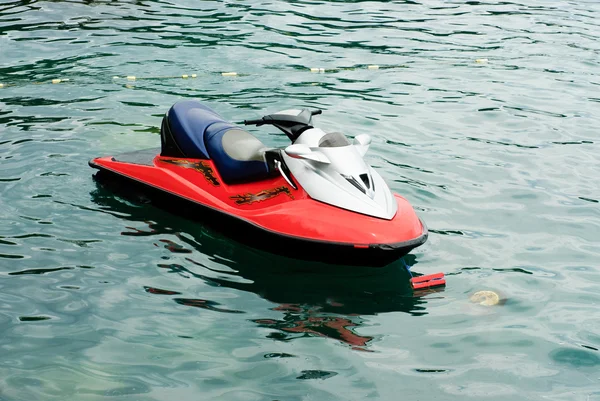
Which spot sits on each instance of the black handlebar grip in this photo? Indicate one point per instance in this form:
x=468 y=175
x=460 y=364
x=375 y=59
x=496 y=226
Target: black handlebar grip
x=315 y=112
x=253 y=122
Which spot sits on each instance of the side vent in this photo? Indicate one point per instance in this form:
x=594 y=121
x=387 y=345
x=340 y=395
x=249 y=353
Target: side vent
x=366 y=179
x=354 y=182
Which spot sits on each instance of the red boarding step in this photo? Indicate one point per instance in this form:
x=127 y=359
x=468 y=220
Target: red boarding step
x=429 y=281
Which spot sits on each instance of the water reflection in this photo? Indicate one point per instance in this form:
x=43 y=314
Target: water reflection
x=314 y=299
x=300 y=321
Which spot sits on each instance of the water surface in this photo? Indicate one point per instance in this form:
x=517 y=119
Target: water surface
x=105 y=297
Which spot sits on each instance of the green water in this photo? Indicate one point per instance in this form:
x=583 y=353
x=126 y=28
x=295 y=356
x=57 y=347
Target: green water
x=106 y=297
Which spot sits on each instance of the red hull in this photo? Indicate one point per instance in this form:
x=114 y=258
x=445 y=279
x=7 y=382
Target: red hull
x=270 y=204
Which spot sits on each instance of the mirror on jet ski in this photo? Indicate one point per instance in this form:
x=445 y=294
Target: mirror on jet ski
x=362 y=143
x=299 y=151
x=293 y=121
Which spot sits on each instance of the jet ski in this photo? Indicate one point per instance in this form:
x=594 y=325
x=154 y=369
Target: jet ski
x=316 y=199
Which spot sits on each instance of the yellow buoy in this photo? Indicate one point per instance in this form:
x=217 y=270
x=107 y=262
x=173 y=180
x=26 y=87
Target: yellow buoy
x=56 y=81
x=486 y=298
x=194 y=75
x=229 y=74
x=131 y=78
x=373 y=67
x=184 y=76
x=481 y=60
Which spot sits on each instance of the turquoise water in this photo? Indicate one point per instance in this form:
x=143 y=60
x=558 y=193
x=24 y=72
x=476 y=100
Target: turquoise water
x=105 y=297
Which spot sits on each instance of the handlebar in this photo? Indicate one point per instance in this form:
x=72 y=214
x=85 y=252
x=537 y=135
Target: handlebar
x=315 y=112
x=257 y=122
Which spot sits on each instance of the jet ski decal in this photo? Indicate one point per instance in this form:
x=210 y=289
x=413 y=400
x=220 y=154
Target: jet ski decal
x=201 y=167
x=248 y=198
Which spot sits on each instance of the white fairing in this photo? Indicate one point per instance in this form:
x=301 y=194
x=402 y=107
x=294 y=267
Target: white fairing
x=338 y=174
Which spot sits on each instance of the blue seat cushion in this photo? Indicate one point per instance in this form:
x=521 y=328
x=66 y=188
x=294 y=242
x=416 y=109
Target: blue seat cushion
x=201 y=133
x=188 y=121
x=238 y=155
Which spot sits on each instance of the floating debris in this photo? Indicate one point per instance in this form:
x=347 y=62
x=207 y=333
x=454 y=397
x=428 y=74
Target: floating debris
x=486 y=298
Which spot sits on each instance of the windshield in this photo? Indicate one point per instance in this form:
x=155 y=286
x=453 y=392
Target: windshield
x=333 y=140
